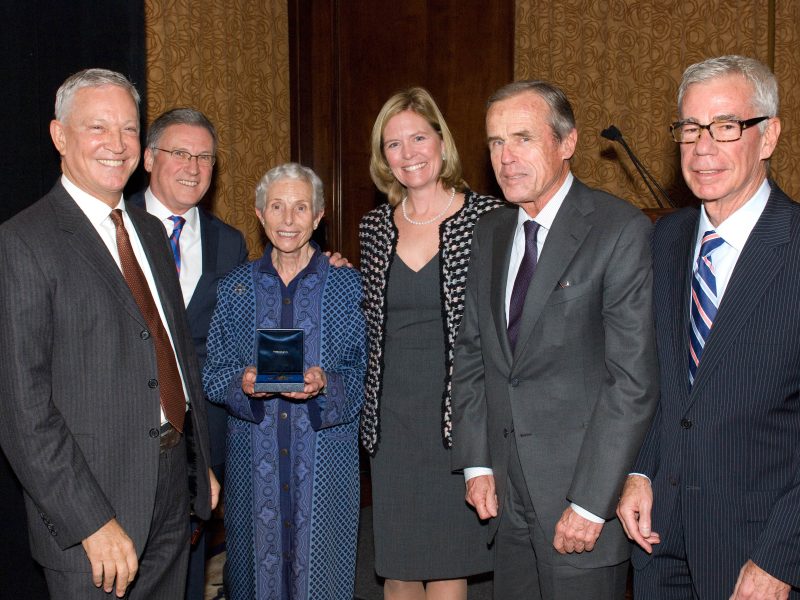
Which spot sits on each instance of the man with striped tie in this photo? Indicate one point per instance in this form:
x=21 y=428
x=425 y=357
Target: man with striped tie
x=714 y=500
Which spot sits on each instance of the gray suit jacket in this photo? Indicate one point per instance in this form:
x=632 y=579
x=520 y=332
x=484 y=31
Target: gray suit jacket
x=579 y=392
x=78 y=420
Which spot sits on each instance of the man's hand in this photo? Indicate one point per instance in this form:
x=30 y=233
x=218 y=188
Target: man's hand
x=755 y=583
x=112 y=556
x=634 y=511
x=481 y=496
x=337 y=260
x=215 y=487
x=575 y=534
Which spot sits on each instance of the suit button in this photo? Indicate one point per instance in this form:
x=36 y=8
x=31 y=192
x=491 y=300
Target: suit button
x=686 y=423
x=505 y=432
x=287 y=300
x=145 y=335
x=673 y=481
x=152 y=384
x=284 y=452
x=284 y=415
x=514 y=382
x=154 y=433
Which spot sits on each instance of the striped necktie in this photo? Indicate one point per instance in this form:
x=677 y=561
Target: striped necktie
x=704 y=300
x=175 y=239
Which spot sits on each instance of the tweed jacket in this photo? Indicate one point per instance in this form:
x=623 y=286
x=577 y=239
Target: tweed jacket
x=378 y=237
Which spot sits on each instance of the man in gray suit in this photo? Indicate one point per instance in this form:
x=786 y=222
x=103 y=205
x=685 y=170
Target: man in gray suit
x=98 y=368
x=555 y=376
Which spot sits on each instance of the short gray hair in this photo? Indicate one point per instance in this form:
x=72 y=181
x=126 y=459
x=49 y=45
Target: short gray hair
x=90 y=78
x=562 y=117
x=179 y=116
x=294 y=171
x=765 y=87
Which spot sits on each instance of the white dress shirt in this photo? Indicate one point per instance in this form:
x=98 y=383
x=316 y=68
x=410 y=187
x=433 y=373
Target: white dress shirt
x=99 y=214
x=734 y=230
x=189 y=242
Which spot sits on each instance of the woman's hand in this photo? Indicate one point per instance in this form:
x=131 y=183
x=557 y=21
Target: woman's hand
x=249 y=384
x=315 y=381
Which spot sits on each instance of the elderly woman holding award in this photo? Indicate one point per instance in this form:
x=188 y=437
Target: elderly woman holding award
x=290 y=321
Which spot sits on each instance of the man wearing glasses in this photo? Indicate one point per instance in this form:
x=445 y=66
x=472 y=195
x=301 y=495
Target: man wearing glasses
x=180 y=156
x=714 y=499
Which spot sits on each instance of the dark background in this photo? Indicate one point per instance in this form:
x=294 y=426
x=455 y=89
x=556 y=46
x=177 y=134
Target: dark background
x=41 y=44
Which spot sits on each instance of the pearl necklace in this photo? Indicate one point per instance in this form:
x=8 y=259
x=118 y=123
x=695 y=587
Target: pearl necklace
x=434 y=219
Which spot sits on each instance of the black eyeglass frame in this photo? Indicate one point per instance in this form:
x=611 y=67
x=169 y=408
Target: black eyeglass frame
x=742 y=126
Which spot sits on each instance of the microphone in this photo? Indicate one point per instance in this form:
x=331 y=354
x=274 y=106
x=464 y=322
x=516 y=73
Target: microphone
x=615 y=135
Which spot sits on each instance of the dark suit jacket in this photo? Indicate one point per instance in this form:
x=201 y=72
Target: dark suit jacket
x=78 y=421
x=223 y=249
x=579 y=392
x=729 y=451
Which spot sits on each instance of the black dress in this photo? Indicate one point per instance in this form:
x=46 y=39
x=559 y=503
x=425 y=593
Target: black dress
x=423 y=527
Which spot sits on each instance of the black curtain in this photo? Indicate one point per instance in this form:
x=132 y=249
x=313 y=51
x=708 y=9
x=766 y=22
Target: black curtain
x=41 y=44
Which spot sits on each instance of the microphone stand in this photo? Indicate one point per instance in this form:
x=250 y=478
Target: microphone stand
x=615 y=135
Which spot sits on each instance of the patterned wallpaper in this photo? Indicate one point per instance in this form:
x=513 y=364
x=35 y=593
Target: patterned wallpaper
x=229 y=59
x=620 y=62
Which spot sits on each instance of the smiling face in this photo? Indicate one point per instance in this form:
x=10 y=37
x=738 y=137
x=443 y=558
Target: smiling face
x=99 y=141
x=529 y=162
x=288 y=215
x=180 y=185
x=413 y=150
x=725 y=175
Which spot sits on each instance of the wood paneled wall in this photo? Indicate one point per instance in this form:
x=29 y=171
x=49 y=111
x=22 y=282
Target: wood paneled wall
x=347 y=58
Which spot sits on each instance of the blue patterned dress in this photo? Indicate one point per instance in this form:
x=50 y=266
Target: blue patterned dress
x=292 y=485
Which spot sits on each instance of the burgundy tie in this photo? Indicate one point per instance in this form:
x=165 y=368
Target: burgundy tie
x=173 y=401
x=526 y=269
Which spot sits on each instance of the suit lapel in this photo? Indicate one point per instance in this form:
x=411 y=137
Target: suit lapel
x=569 y=229
x=674 y=288
x=87 y=243
x=758 y=264
x=502 y=242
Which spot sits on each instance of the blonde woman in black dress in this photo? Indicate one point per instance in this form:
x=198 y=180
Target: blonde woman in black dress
x=414 y=257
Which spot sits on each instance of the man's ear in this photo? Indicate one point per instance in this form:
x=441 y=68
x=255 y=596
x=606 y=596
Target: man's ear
x=770 y=138
x=149 y=157
x=58 y=136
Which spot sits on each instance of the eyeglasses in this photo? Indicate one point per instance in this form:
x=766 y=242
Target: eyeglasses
x=729 y=130
x=182 y=156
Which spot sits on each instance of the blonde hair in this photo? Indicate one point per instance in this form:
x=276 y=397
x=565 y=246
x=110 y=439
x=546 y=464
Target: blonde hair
x=419 y=101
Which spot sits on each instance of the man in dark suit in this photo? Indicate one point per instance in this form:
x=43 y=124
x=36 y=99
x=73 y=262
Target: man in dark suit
x=555 y=377
x=98 y=368
x=717 y=482
x=180 y=156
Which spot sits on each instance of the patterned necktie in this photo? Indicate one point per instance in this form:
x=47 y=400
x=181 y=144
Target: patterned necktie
x=704 y=300
x=175 y=239
x=526 y=269
x=173 y=401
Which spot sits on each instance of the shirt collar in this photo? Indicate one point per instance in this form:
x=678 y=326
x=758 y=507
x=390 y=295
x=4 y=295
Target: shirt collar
x=737 y=227
x=95 y=209
x=548 y=214
x=155 y=207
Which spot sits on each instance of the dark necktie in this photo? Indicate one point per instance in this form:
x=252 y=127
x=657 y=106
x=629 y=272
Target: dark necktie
x=704 y=300
x=175 y=239
x=526 y=269
x=173 y=401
